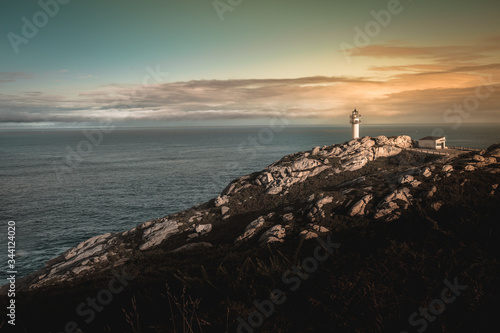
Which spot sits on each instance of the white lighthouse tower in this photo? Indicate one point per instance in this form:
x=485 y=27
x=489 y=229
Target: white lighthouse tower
x=354 y=120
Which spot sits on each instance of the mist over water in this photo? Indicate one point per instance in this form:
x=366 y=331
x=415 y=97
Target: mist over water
x=135 y=175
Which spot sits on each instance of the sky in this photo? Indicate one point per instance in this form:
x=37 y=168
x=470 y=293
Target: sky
x=241 y=62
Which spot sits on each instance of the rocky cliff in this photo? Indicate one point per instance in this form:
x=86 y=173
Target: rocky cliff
x=310 y=195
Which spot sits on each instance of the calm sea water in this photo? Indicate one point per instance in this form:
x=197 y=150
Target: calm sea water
x=134 y=175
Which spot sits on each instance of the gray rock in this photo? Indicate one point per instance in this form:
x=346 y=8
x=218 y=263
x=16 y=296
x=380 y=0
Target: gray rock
x=357 y=161
x=270 y=215
x=402 y=141
x=274 y=234
x=274 y=190
x=79 y=270
x=381 y=139
x=387 y=209
x=437 y=205
x=203 y=228
x=252 y=229
x=221 y=200
x=321 y=202
x=426 y=172
x=388 y=205
x=266 y=178
x=415 y=183
x=447 y=168
x=367 y=142
x=431 y=192
x=88 y=247
x=399 y=194
x=158 y=233
x=229 y=189
x=359 y=207
x=193 y=246
x=386 y=151
x=470 y=167
x=488 y=161
x=306 y=234
x=224 y=210
x=495 y=152
x=305 y=164
x=336 y=151
x=318 y=170
x=193 y=235
x=318 y=228
x=406 y=179
x=353 y=142
x=287 y=217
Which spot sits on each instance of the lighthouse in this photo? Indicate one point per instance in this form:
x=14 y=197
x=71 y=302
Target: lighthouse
x=354 y=120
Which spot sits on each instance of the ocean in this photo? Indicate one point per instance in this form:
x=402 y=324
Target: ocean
x=63 y=186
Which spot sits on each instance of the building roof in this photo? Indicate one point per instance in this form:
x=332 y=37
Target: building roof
x=433 y=138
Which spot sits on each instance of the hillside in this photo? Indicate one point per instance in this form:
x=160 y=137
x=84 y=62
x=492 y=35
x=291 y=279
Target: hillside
x=355 y=237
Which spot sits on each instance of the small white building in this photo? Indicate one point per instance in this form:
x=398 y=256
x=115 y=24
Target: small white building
x=432 y=142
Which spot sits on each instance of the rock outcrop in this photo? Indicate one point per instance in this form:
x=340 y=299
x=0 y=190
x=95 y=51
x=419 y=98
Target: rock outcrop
x=353 y=156
x=301 y=196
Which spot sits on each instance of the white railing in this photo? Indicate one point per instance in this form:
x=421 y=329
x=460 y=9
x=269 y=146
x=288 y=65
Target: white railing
x=464 y=148
x=428 y=151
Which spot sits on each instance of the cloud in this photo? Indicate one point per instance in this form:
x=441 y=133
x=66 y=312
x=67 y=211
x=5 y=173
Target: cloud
x=14 y=76
x=87 y=76
x=397 y=99
x=440 y=54
x=432 y=81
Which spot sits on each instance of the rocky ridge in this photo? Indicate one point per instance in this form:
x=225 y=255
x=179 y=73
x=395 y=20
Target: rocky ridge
x=303 y=195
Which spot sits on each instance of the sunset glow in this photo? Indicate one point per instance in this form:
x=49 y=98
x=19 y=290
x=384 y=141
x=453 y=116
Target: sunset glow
x=189 y=63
